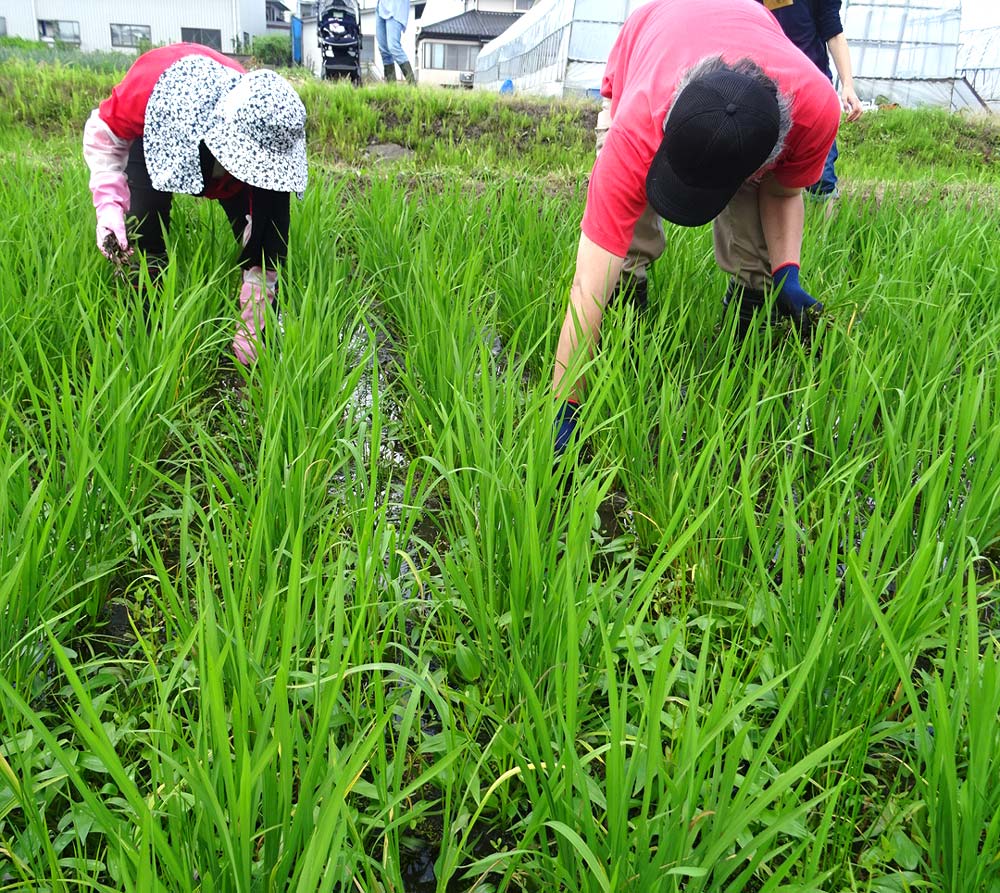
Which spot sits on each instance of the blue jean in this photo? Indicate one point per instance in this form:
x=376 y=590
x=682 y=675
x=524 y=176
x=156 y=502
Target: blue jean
x=828 y=179
x=389 y=37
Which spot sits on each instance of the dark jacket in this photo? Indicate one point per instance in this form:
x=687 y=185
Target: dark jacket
x=809 y=24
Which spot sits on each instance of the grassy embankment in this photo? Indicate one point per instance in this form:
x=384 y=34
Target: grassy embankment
x=322 y=624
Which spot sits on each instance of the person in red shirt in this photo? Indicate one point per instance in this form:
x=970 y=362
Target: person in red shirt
x=186 y=119
x=711 y=115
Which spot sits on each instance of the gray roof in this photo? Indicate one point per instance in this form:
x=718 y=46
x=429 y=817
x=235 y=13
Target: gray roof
x=472 y=25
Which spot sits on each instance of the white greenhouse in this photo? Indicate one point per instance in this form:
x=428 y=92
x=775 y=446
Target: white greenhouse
x=979 y=63
x=911 y=52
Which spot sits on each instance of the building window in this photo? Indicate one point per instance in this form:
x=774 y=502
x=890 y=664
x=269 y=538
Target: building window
x=306 y=10
x=209 y=37
x=130 y=35
x=450 y=56
x=523 y=5
x=59 y=31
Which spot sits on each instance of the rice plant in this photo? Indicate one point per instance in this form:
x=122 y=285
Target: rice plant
x=340 y=621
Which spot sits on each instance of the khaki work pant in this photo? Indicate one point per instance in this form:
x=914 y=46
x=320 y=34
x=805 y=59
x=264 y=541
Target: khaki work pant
x=740 y=248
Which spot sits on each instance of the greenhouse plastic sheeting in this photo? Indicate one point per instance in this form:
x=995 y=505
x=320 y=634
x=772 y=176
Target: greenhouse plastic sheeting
x=903 y=38
x=954 y=94
x=557 y=47
x=979 y=63
x=560 y=47
x=531 y=52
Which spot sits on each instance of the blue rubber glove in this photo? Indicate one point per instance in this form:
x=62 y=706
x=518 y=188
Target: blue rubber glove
x=565 y=425
x=793 y=300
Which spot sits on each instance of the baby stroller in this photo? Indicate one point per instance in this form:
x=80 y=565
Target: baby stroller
x=340 y=40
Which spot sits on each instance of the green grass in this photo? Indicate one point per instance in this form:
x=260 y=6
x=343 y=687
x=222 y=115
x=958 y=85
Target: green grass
x=439 y=127
x=923 y=152
x=294 y=629
x=908 y=144
x=65 y=56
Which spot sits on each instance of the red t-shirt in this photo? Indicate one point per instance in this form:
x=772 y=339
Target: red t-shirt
x=125 y=110
x=657 y=44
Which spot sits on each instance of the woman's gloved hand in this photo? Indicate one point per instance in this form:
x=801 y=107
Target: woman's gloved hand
x=111 y=222
x=256 y=293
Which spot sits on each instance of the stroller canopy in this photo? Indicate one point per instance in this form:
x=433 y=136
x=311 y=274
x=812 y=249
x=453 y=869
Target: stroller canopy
x=334 y=6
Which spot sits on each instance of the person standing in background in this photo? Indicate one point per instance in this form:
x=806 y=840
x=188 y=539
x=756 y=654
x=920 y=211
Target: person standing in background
x=391 y=17
x=814 y=26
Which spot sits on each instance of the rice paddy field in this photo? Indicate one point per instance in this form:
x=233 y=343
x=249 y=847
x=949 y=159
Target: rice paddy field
x=341 y=622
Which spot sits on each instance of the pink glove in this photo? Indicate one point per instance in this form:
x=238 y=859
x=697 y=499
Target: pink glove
x=256 y=293
x=111 y=220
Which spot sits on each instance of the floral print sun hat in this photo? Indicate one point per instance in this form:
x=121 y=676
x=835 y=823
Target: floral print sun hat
x=258 y=133
x=180 y=110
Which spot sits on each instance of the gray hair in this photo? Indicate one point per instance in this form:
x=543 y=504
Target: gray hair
x=751 y=69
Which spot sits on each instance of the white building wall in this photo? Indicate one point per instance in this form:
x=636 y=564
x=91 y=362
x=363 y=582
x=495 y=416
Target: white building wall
x=496 y=6
x=438 y=10
x=165 y=18
x=20 y=18
x=311 y=59
x=253 y=16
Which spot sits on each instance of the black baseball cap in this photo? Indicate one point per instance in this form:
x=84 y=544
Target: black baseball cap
x=720 y=130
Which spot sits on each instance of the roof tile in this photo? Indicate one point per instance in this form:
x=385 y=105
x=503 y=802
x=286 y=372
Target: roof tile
x=472 y=25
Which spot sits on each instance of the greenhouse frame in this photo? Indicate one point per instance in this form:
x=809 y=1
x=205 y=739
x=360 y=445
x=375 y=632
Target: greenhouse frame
x=908 y=52
x=979 y=64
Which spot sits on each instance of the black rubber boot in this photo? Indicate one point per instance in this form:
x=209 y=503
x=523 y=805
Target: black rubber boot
x=746 y=303
x=633 y=289
x=407 y=70
x=389 y=73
